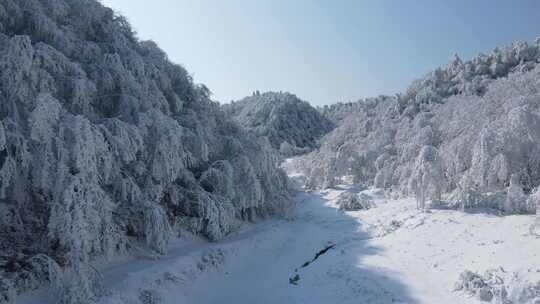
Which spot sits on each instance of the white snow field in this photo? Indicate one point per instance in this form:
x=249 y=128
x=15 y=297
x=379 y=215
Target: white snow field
x=391 y=253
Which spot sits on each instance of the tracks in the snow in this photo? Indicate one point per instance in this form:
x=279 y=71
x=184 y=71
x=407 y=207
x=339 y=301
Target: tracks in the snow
x=294 y=279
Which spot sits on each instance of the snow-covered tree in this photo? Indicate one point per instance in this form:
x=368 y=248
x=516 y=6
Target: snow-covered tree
x=516 y=200
x=157 y=229
x=427 y=180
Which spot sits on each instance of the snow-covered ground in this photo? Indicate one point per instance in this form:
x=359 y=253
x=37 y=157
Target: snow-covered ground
x=391 y=253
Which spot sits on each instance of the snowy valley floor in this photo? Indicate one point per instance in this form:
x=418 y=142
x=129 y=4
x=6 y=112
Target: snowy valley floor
x=391 y=253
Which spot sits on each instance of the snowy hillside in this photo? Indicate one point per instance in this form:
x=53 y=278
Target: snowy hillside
x=293 y=126
x=389 y=253
x=123 y=182
x=467 y=133
x=107 y=148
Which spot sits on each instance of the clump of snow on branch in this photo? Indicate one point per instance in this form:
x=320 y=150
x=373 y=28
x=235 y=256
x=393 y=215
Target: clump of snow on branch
x=351 y=201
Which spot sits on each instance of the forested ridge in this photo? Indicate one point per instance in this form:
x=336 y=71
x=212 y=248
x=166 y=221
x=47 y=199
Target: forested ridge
x=107 y=148
x=465 y=135
x=292 y=125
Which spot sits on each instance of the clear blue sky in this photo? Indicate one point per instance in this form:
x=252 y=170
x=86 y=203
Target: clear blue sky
x=324 y=51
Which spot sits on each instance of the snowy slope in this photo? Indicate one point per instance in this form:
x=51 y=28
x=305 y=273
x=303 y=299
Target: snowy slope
x=469 y=130
x=391 y=253
x=107 y=146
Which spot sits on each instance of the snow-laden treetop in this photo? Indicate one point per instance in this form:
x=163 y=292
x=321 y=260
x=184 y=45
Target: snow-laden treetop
x=287 y=121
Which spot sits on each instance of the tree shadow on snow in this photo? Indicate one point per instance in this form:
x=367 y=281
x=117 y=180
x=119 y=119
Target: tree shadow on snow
x=318 y=258
x=338 y=275
x=488 y=212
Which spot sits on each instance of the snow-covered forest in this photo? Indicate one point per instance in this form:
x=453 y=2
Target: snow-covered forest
x=293 y=126
x=108 y=148
x=123 y=182
x=465 y=135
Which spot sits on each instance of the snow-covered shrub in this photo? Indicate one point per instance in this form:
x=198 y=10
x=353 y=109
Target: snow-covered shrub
x=486 y=288
x=150 y=296
x=516 y=199
x=37 y=271
x=350 y=201
x=80 y=284
x=28 y=273
x=499 y=286
x=511 y=200
x=218 y=216
x=81 y=221
x=527 y=292
x=467 y=198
